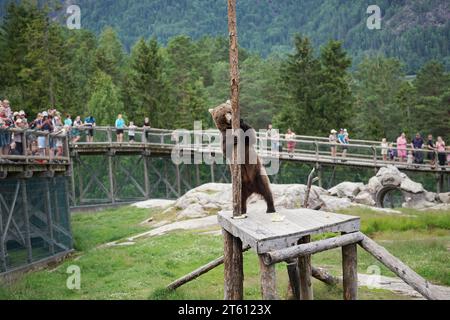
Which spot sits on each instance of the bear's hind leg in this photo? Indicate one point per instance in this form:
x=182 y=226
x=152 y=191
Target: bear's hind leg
x=244 y=197
x=264 y=190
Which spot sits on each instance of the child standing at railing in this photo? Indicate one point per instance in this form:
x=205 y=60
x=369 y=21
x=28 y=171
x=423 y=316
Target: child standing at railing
x=391 y=152
x=384 y=149
x=131 y=131
x=440 y=147
x=410 y=159
x=290 y=136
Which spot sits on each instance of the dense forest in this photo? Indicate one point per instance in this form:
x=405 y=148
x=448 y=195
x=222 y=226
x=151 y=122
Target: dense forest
x=174 y=79
x=414 y=31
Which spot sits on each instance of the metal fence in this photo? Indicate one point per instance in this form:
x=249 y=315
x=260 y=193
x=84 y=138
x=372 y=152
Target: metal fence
x=34 y=221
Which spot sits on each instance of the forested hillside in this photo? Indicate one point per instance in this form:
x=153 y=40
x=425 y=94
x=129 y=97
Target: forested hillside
x=311 y=90
x=413 y=30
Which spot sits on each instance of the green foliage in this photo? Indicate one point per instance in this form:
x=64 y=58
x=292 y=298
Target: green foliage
x=147 y=89
x=412 y=31
x=377 y=82
x=318 y=96
x=105 y=102
x=43 y=64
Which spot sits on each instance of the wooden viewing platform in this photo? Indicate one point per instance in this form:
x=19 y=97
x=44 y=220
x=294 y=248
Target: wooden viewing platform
x=266 y=236
x=289 y=241
x=263 y=235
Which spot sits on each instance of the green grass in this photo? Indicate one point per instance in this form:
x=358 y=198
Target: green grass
x=93 y=229
x=143 y=270
x=373 y=221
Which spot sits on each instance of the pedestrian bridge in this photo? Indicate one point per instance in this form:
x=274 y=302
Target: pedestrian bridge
x=37 y=190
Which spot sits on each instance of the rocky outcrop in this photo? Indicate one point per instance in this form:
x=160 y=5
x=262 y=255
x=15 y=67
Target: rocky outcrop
x=210 y=198
x=346 y=189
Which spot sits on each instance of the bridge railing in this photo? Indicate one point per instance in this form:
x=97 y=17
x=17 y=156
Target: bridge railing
x=302 y=147
x=30 y=146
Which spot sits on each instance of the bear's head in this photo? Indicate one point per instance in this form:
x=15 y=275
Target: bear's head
x=222 y=116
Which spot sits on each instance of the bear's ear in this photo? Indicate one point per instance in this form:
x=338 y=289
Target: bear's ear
x=211 y=111
x=228 y=116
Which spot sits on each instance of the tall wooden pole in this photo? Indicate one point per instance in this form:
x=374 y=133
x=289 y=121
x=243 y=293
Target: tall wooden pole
x=234 y=82
x=233 y=259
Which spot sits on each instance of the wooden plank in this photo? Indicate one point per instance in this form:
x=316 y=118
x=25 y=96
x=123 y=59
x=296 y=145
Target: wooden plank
x=304 y=267
x=198 y=272
x=305 y=249
x=268 y=280
x=400 y=269
x=350 y=271
x=233 y=267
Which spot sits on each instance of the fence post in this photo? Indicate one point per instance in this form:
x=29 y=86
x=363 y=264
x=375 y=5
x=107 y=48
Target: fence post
x=109 y=135
x=374 y=150
x=317 y=150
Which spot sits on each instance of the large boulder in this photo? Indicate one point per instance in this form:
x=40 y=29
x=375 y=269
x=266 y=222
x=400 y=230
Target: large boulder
x=374 y=185
x=366 y=198
x=410 y=186
x=333 y=204
x=444 y=197
x=346 y=189
x=417 y=201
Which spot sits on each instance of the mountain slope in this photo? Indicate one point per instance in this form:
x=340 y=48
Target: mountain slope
x=413 y=30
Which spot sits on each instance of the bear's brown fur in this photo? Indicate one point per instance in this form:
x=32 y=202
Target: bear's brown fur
x=254 y=177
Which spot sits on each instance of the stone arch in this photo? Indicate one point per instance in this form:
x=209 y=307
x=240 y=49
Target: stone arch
x=379 y=198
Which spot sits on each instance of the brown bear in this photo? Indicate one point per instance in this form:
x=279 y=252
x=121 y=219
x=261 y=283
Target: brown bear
x=254 y=177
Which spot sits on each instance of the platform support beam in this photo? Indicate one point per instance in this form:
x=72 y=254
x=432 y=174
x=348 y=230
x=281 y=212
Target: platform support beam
x=146 y=177
x=350 y=271
x=112 y=193
x=26 y=219
x=304 y=266
x=49 y=216
x=233 y=267
x=268 y=280
x=294 y=278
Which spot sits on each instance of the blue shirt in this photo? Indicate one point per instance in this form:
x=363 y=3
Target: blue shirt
x=120 y=123
x=68 y=122
x=341 y=138
x=89 y=120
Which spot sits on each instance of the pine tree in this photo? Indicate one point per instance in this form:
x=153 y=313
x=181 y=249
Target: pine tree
x=147 y=86
x=300 y=75
x=110 y=57
x=105 y=102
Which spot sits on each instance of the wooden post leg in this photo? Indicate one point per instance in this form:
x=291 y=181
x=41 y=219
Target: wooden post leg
x=233 y=267
x=350 y=271
x=294 y=279
x=304 y=266
x=268 y=280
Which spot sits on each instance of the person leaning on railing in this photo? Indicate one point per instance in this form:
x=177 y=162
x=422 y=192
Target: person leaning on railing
x=440 y=147
x=147 y=126
x=5 y=134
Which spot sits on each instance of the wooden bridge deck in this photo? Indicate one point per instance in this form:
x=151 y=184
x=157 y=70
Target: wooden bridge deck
x=324 y=158
x=161 y=142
